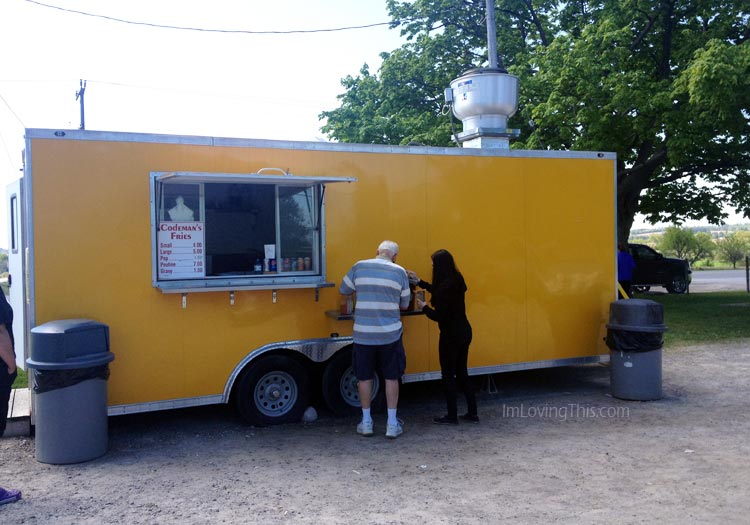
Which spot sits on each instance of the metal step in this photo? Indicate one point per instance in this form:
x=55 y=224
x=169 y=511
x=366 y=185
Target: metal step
x=19 y=413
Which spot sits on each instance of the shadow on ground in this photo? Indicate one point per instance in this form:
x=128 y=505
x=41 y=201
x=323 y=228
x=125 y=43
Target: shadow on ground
x=416 y=400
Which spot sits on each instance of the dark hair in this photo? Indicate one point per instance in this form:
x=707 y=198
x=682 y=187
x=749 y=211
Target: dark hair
x=445 y=274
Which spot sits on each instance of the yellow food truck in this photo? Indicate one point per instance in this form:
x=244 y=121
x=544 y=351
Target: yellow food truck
x=215 y=262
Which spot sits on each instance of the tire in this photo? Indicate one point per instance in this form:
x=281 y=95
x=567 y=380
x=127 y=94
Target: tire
x=641 y=289
x=340 y=386
x=678 y=285
x=272 y=390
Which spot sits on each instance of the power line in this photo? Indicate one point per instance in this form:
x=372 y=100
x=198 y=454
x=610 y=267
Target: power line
x=13 y=112
x=2 y=139
x=208 y=30
x=5 y=147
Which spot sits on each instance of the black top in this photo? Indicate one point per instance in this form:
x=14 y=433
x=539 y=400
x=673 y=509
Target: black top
x=448 y=307
x=6 y=316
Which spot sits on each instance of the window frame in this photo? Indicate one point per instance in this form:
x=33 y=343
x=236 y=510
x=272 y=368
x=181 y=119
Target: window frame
x=15 y=223
x=241 y=282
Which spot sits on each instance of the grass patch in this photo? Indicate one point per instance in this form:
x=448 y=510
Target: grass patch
x=704 y=317
x=22 y=380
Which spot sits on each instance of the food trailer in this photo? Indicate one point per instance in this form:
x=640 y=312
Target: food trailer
x=215 y=262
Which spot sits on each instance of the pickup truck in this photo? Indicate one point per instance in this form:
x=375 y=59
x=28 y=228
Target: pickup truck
x=653 y=269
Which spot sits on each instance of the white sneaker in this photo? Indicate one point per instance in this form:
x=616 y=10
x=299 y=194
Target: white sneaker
x=394 y=431
x=365 y=429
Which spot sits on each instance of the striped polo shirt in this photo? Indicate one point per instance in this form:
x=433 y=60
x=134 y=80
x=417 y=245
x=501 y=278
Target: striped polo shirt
x=382 y=290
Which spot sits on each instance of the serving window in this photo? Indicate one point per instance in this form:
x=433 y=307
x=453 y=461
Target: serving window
x=238 y=231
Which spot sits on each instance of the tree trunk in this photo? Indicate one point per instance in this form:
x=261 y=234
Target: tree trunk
x=627 y=205
x=630 y=183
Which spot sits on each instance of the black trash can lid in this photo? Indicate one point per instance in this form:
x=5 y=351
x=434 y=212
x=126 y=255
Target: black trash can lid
x=636 y=315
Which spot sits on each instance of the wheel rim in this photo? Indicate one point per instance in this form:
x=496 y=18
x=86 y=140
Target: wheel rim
x=679 y=284
x=275 y=394
x=349 y=389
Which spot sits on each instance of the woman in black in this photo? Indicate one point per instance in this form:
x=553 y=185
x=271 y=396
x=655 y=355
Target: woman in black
x=449 y=310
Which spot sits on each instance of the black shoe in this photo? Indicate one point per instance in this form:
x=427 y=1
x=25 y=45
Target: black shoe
x=470 y=417
x=445 y=420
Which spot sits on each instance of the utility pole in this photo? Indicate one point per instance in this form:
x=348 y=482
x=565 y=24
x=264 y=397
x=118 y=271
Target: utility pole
x=79 y=94
x=491 y=34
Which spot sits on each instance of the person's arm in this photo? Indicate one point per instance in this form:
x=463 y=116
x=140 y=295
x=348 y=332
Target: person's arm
x=405 y=298
x=347 y=286
x=436 y=314
x=441 y=311
x=405 y=293
x=425 y=285
x=6 y=350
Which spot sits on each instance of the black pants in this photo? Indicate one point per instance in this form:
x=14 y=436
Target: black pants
x=627 y=286
x=6 y=381
x=454 y=355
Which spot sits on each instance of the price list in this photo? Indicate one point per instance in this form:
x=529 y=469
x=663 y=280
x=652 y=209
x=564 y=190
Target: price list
x=181 y=250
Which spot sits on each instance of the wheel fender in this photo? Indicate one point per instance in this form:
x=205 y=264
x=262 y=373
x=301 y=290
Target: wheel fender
x=315 y=350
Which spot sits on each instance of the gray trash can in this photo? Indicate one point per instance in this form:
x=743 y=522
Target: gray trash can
x=635 y=338
x=69 y=363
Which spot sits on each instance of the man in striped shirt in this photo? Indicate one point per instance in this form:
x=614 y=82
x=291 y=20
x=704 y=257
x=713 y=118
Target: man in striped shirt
x=382 y=289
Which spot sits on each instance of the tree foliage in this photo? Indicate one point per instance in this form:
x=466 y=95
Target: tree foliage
x=685 y=244
x=705 y=248
x=663 y=83
x=733 y=248
x=677 y=241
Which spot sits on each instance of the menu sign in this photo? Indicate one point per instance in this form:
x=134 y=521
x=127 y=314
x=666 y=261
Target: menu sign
x=181 y=249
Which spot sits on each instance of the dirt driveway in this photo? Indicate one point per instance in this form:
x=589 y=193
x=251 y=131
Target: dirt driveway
x=552 y=447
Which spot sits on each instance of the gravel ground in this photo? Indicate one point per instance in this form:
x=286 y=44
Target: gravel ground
x=553 y=447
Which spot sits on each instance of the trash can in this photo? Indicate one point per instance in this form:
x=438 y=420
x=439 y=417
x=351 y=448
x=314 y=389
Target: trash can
x=635 y=338
x=70 y=366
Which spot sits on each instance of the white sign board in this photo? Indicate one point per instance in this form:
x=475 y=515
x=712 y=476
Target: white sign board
x=181 y=250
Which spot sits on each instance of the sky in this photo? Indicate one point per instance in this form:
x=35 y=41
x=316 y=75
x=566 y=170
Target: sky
x=147 y=79
x=156 y=80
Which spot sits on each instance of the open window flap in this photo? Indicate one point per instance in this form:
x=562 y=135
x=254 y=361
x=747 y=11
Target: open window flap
x=187 y=177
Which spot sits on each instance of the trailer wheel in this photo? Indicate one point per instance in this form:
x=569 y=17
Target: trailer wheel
x=272 y=390
x=340 y=386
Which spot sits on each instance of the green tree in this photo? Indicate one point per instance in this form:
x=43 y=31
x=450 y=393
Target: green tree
x=732 y=248
x=678 y=241
x=661 y=83
x=704 y=249
x=3 y=262
x=686 y=244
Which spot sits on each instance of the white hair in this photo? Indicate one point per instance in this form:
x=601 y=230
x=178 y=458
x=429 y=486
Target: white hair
x=389 y=248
